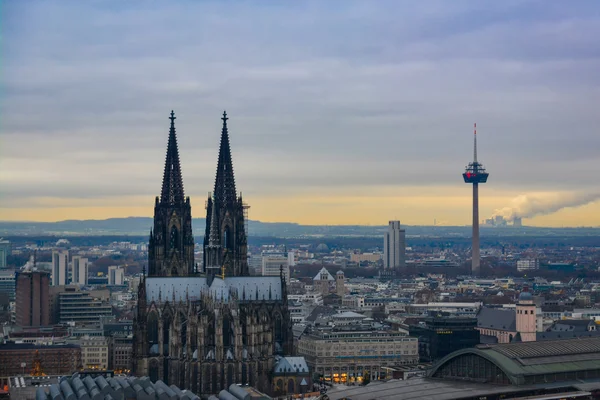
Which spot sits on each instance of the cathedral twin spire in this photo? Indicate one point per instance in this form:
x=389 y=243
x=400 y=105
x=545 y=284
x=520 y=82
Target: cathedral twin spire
x=171 y=240
x=172 y=187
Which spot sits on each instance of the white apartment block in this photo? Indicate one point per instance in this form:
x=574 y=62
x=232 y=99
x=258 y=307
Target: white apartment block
x=79 y=271
x=528 y=264
x=272 y=264
x=94 y=352
x=116 y=275
x=60 y=262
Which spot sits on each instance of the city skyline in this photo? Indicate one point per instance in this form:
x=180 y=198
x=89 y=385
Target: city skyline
x=338 y=115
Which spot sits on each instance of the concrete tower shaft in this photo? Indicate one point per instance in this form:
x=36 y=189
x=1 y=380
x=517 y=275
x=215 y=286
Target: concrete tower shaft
x=475 y=174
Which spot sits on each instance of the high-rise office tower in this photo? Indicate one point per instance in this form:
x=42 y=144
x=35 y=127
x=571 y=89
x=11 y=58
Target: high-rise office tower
x=60 y=261
x=116 y=275
x=79 y=271
x=394 y=246
x=33 y=302
x=4 y=252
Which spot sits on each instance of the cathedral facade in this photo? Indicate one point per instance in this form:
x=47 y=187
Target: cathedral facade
x=206 y=328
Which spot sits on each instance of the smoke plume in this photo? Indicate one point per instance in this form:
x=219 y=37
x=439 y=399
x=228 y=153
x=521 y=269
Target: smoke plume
x=533 y=204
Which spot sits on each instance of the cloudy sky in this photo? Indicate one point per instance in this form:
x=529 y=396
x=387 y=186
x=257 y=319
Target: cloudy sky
x=340 y=112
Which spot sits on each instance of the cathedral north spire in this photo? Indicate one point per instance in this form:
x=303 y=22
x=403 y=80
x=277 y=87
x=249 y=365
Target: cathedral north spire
x=224 y=192
x=172 y=186
x=171 y=244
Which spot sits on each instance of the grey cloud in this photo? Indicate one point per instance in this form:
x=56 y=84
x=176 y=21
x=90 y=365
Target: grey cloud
x=323 y=94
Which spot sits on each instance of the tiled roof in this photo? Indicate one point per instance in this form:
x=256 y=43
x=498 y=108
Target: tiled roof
x=497 y=318
x=248 y=288
x=322 y=271
x=291 y=364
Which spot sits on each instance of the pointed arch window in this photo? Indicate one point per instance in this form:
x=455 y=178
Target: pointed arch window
x=228 y=238
x=278 y=327
x=167 y=334
x=152 y=327
x=228 y=333
x=174 y=238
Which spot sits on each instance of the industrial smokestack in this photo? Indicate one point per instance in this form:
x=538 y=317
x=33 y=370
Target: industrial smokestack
x=533 y=204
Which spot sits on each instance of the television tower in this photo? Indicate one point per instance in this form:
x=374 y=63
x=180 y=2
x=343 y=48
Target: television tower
x=475 y=174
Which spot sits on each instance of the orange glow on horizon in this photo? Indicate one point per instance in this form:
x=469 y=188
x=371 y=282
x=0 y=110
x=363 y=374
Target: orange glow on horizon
x=412 y=206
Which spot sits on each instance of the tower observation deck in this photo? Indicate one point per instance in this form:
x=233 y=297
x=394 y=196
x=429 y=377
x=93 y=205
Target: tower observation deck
x=475 y=174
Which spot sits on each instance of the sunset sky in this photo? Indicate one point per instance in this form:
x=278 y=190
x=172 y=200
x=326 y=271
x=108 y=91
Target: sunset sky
x=341 y=112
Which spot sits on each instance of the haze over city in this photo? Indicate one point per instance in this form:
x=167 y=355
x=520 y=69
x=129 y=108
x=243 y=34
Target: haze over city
x=341 y=112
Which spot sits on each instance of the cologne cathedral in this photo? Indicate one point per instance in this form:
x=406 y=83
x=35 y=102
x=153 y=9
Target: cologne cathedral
x=206 y=328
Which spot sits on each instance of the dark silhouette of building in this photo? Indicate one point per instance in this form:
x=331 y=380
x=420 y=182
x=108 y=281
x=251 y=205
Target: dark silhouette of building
x=32 y=299
x=442 y=335
x=205 y=330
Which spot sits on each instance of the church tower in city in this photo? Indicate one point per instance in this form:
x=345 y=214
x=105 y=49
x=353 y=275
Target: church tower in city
x=225 y=242
x=171 y=245
x=207 y=331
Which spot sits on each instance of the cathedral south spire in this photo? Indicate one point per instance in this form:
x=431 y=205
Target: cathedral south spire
x=171 y=245
x=225 y=182
x=225 y=225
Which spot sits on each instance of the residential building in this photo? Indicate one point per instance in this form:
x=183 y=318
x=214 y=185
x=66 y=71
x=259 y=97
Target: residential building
x=369 y=257
x=79 y=271
x=439 y=336
x=49 y=359
x=346 y=356
x=76 y=306
x=60 y=262
x=121 y=328
x=312 y=297
x=394 y=246
x=116 y=275
x=8 y=284
x=94 y=352
x=274 y=264
x=528 y=264
x=32 y=299
x=120 y=353
x=4 y=252
x=460 y=309
x=292 y=257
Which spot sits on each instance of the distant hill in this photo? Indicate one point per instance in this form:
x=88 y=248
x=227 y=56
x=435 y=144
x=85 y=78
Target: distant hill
x=142 y=225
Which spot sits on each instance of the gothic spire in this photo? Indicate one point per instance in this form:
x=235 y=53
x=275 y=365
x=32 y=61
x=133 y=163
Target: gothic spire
x=213 y=238
x=224 y=183
x=172 y=187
